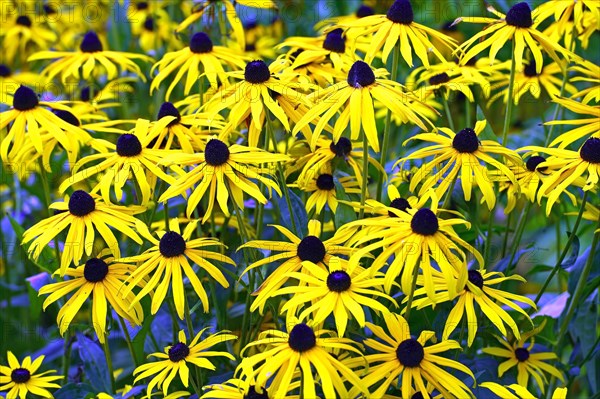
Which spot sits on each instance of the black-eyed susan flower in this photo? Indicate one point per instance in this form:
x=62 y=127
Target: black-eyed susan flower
x=416 y=237
x=460 y=155
x=174 y=361
x=83 y=215
x=529 y=363
x=398 y=27
x=11 y=80
x=528 y=80
x=242 y=388
x=21 y=36
x=225 y=170
x=354 y=97
x=130 y=157
x=478 y=289
x=441 y=83
x=201 y=57
x=328 y=152
x=168 y=260
x=29 y=119
x=519 y=24
x=186 y=132
x=340 y=290
x=590 y=73
x=587 y=125
x=516 y=391
x=566 y=167
x=254 y=97
x=322 y=189
x=400 y=358
x=211 y=8
x=573 y=19
x=157 y=32
x=92 y=59
x=100 y=278
x=19 y=378
x=303 y=349
x=295 y=251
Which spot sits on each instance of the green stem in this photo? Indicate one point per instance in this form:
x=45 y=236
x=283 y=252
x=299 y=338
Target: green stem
x=509 y=100
x=66 y=359
x=128 y=340
x=518 y=234
x=448 y=197
x=48 y=202
x=488 y=237
x=563 y=255
x=448 y=112
x=581 y=284
x=467 y=112
x=365 y=177
x=411 y=294
x=106 y=349
x=388 y=124
x=166 y=210
x=506 y=233
x=190 y=327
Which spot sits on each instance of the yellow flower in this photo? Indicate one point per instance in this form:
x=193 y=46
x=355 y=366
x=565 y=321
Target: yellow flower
x=322 y=187
x=529 y=363
x=460 y=152
x=398 y=27
x=226 y=170
x=402 y=358
x=167 y=261
x=303 y=349
x=19 y=379
x=516 y=391
x=519 y=24
x=102 y=278
x=176 y=358
x=200 y=53
x=478 y=289
x=92 y=59
x=82 y=214
x=22 y=35
x=586 y=126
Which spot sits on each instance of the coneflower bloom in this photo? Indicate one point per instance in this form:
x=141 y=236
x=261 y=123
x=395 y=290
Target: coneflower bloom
x=293 y=253
x=130 y=156
x=516 y=391
x=323 y=190
x=29 y=119
x=460 y=152
x=398 y=27
x=587 y=125
x=519 y=24
x=400 y=357
x=254 y=96
x=478 y=289
x=201 y=57
x=21 y=36
x=416 y=237
x=303 y=349
x=102 y=279
x=354 y=98
x=83 y=214
x=19 y=378
x=92 y=59
x=168 y=260
x=226 y=170
x=174 y=361
x=529 y=363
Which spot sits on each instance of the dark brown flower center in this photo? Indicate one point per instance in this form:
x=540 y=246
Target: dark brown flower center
x=90 y=43
x=339 y=281
x=534 y=161
x=590 y=150
x=257 y=72
x=95 y=270
x=360 y=75
x=342 y=148
x=439 y=79
x=364 y=11
x=302 y=338
x=424 y=222
x=311 y=248
x=200 y=43
x=466 y=141
x=334 y=41
x=67 y=117
x=24 y=99
x=519 y=15
x=401 y=12
x=216 y=152
x=475 y=278
x=521 y=354
x=81 y=203
x=24 y=20
x=168 y=109
x=252 y=394
x=128 y=145
x=325 y=182
x=171 y=245
x=410 y=353
x=530 y=69
x=400 y=204
x=4 y=71
x=20 y=375
x=178 y=352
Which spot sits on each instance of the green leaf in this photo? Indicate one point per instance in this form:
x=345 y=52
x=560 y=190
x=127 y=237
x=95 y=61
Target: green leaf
x=72 y=390
x=94 y=363
x=298 y=212
x=47 y=260
x=139 y=340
